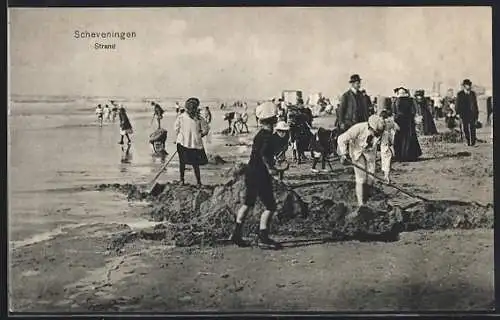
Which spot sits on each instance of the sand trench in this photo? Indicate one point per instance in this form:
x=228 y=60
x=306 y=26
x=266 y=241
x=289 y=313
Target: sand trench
x=188 y=215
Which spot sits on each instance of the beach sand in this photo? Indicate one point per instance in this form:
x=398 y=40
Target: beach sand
x=60 y=228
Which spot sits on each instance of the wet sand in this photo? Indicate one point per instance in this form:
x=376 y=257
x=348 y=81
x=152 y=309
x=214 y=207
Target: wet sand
x=60 y=258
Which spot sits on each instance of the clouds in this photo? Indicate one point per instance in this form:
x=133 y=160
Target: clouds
x=177 y=27
x=247 y=52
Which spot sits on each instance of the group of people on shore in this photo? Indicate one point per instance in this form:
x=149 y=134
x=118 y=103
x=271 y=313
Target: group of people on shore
x=106 y=114
x=360 y=131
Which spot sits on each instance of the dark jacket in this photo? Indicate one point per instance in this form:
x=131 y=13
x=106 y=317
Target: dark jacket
x=324 y=141
x=349 y=109
x=466 y=105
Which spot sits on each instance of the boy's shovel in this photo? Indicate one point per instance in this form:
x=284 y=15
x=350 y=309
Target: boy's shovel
x=387 y=183
x=154 y=188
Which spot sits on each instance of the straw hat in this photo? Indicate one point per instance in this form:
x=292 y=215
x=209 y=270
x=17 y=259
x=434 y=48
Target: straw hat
x=282 y=126
x=376 y=123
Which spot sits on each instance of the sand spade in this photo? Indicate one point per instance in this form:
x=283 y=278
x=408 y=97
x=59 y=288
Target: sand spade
x=154 y=188
x=388 y=183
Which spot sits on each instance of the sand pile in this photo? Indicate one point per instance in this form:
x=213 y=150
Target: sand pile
x=205 y=215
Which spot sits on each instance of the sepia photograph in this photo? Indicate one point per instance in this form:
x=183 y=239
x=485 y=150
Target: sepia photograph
x=250 y=159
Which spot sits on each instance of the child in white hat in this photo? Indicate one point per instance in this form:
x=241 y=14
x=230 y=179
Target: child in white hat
x=360 y=142
x=258 y=177
x=281 y=140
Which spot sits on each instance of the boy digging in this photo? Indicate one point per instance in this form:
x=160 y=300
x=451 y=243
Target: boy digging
x=258 y=178
x=359 y=143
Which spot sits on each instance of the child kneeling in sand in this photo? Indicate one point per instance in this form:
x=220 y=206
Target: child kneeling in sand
x=258 y=178
x=360 y=142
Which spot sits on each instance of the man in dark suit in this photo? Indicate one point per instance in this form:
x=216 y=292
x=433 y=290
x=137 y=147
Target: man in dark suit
x=353 y=108
x=467 y=109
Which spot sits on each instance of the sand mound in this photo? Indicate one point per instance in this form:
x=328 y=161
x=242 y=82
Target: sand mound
x=205 y=215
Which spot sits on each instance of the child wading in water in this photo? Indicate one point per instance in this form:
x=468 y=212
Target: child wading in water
x=125 y=125
x=99 y=112
x=258 y=178
x=114 y=111
x=158 y=113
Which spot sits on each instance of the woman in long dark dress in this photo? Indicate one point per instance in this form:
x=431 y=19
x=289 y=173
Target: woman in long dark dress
x=406 y=146
x=428 y=127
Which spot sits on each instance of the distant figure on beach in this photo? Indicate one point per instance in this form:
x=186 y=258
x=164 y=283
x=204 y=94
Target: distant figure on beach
x=240 y=121
x=157 y=113
x=177 y=107
x=107 y=113
x=467 y=109
x=448 y=103
x=229 y=117
x=426 y=125
x=114 y=111
x=489 y=110
x=125 y=125
x=207 y=115
x=190 y=129
x=99 y=112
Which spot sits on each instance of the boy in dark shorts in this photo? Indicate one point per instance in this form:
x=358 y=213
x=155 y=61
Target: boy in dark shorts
x=258 y=178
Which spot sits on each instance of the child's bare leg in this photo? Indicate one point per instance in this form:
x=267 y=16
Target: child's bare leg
x=236 y=236
x=264 y=230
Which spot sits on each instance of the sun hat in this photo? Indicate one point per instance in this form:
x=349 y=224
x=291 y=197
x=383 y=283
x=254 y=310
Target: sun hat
x=282 y=126
x=376 y=123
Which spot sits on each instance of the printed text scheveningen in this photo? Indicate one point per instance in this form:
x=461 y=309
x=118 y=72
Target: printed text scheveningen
x=104 y=35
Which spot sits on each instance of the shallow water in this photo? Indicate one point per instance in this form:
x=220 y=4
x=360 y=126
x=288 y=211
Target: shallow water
x=55 y=149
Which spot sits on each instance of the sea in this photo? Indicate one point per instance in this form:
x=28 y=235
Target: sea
x=57 y=152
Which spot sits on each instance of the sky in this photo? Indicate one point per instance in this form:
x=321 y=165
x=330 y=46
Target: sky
x=247 y=52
